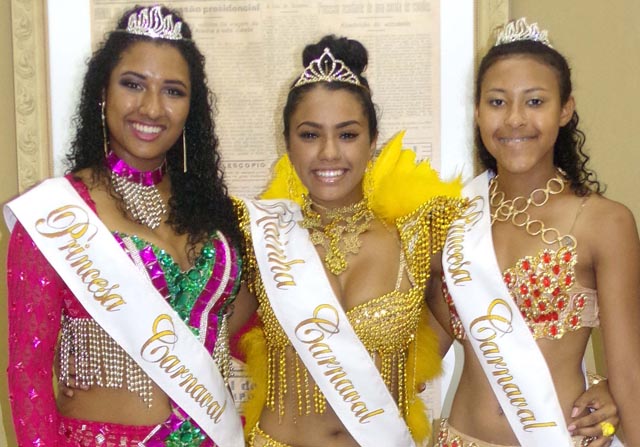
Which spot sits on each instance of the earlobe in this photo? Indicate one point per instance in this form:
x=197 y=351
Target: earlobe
x=567 y=111
x=372 y=148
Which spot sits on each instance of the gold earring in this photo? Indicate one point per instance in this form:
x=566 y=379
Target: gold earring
x=294 y=184
x=105 y=141
x=184 y=150
x=367 y=181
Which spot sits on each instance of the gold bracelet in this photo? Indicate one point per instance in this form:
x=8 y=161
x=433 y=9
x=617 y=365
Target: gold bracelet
x=594 y=379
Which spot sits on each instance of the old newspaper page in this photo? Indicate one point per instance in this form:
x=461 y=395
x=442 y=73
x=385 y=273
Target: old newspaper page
x=253 y=54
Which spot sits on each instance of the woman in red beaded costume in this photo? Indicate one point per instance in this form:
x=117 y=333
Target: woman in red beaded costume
x=566 y=260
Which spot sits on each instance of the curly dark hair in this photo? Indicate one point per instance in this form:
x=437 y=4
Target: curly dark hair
x=355 y=56
x=568 y=152
x=199 y=202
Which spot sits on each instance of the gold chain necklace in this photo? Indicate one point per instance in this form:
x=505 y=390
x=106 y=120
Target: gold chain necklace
x=341 y=236
x=515 y=209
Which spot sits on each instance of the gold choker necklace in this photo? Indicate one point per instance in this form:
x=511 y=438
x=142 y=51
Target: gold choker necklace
x=341 y=236
x=516 y=209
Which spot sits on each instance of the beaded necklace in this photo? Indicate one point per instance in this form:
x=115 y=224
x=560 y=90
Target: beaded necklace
x=341 y=236
x=138 y=190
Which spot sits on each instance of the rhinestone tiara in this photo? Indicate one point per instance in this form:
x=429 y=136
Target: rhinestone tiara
x=151 y=23
x=327 y=68
x=517 y=30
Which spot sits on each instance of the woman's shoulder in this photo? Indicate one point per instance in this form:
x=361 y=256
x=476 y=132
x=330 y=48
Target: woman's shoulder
x=607 y=225
x=604 y=213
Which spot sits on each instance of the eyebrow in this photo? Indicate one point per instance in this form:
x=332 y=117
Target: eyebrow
x=338 y=126
x=529 y=90
x=141 y=76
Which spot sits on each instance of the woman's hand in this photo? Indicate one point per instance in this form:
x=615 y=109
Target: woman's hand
x=601 y=408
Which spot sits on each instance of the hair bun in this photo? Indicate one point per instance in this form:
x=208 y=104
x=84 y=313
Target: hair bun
x=350 y=51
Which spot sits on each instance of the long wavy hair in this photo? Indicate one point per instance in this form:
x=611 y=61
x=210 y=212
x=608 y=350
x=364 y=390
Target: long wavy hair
x=568 y=152
x=199 y=202
x=355 y=56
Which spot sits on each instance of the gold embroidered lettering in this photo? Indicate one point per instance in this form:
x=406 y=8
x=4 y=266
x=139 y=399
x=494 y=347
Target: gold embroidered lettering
x=312 y=332
x=156 y=349
x=486 y=329
x=73 y=222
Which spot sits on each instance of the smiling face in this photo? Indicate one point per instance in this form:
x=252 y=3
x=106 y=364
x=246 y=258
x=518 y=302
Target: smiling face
x=519 y=113
x=147 y=103
x=329 y=145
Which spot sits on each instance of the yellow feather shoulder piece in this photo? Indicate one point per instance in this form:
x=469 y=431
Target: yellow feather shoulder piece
x=395 y=185
x=398 y=185
x=285 y=183
x=424 y=364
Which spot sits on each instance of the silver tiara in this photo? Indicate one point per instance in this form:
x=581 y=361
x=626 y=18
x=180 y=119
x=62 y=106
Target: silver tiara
x=327 y=68
x=517 y=30
x=150 y=22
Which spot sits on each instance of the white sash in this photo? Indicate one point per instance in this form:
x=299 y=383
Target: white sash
x=119 y=297
x=317 y=326
x=501 y=339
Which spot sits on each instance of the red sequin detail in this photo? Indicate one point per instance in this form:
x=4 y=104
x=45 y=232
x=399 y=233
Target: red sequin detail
x=568 y=280
x=574 y=321
x=542 y=306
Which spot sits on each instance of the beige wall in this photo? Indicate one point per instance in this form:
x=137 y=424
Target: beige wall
x=601 y=40
x=8 y=188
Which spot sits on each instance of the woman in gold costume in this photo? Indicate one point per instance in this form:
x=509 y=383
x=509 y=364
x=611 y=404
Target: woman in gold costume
x=372 y=227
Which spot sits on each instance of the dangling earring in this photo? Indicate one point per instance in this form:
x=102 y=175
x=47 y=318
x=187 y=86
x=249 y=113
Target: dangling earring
x=184 y=150
x=105 y=141
x=294 y=184
x=367 y=181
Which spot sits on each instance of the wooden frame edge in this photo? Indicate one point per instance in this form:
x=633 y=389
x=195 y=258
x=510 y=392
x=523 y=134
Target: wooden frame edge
x=33 y=143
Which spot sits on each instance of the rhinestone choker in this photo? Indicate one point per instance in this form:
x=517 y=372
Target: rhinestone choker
x=138 y=190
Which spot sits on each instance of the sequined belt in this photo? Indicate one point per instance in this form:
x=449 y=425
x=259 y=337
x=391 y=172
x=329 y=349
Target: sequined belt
x=98 y=360
x=258 y=438
x=450 y=437
x=77 y=432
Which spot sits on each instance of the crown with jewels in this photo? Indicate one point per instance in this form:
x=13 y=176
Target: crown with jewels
x=517 y=30
x=151 y=23
x=327 y=68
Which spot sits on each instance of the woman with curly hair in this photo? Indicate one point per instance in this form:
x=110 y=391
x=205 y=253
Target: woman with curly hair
x=133 y=304
x=539 y=258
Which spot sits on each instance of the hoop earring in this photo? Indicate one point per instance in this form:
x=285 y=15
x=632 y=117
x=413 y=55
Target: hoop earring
x=184 y=150
x=105 y=140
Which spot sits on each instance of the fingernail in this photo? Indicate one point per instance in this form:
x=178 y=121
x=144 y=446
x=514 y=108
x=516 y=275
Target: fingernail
x=571 y=428
x=574 y=412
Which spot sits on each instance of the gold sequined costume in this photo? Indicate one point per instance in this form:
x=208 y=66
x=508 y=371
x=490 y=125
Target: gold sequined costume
x=421 y=218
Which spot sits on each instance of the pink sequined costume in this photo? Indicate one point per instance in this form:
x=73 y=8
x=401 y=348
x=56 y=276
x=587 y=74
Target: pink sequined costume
x=41 y=308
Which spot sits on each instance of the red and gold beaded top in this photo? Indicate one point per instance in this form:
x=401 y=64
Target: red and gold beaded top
x=544 y=288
